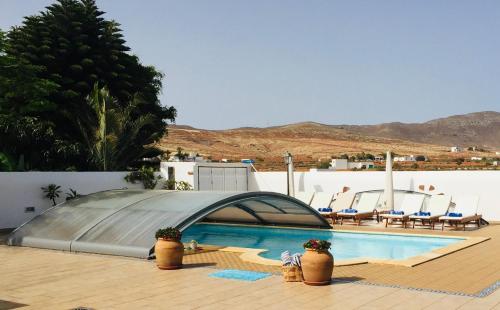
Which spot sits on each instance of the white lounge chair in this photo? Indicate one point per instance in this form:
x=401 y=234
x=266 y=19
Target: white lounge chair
x=411 y=204
x=437 y=207
x=464 y=212
x=321 y=200
x=341 y=202
x=363 y=210
x=305 y=197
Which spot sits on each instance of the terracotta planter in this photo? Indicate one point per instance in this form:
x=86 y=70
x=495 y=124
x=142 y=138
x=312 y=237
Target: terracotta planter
x=169 y=253
x=317 y=267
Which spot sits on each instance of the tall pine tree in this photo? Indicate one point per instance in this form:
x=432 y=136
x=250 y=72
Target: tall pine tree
x=75 y=47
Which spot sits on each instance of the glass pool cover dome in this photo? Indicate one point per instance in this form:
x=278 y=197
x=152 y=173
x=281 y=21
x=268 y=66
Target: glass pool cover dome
x=123 y=222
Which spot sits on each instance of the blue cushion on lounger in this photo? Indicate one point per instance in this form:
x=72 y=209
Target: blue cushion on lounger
x=422 y=213
x=453 y=214
x=397 y=212
x=325 y=209
x=350 y=211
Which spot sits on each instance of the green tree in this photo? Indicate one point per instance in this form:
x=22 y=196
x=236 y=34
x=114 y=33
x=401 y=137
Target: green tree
x=25 y=137
x=72 y=46
x=180 y=154
x=116 y=138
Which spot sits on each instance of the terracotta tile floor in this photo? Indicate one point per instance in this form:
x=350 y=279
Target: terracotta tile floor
x=45 y=279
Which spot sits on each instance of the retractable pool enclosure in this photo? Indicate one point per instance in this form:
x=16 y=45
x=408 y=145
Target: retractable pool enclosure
x=123 y=222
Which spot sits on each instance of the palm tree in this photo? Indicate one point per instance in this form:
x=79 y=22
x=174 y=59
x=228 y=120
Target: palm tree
x=118 y=137
x=52 y=192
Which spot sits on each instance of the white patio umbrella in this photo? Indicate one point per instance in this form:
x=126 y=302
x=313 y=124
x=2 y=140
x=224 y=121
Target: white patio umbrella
x=389 y=189
x=289 y=172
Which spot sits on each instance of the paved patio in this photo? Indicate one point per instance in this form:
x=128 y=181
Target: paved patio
x=46 y=279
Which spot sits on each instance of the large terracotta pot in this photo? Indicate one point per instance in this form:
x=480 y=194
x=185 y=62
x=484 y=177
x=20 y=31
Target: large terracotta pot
x=169 y=253
x=317 y=267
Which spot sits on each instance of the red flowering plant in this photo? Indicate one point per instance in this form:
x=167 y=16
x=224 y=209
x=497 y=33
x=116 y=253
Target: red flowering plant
x=317 y=245
x=168 y=233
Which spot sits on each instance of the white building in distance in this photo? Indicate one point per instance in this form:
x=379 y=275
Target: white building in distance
x=344 y=164
x=456 y=149
x=410 y=158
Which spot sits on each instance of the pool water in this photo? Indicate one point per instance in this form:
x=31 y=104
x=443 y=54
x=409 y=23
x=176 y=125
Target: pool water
x=344 y=245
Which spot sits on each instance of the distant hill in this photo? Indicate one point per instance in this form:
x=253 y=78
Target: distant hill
x=310 y=142
x=481 y=129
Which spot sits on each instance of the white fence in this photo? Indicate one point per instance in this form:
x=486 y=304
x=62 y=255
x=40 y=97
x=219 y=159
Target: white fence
x=485 y=184
x=21 y=190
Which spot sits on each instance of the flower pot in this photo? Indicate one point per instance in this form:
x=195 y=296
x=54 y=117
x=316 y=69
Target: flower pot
x=317 y=267
x=169 y=253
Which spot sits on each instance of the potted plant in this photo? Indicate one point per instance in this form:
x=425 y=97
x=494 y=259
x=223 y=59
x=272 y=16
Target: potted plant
x=168 y=248
x=317 y=262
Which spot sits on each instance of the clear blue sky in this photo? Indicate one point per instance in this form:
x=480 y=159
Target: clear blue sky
x=259 y=63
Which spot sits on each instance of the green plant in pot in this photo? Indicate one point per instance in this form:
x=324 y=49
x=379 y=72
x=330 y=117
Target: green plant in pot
x=317 y=262
x=169 y=250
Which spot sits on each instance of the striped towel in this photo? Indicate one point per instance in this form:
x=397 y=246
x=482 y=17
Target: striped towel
x=296 y=259
x=286 y=259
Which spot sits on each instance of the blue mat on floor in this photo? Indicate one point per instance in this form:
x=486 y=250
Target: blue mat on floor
x=242 y=275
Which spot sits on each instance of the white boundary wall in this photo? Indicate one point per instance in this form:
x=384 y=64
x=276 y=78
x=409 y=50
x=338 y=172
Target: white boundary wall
x=19 y=190
x=486 y=184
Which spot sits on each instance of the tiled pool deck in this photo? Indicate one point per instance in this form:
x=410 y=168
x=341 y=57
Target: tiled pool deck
x=45 y=279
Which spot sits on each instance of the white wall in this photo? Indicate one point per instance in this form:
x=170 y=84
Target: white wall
x=22 y=189
x=486 y=184
x=19 y=190
x=183 y=170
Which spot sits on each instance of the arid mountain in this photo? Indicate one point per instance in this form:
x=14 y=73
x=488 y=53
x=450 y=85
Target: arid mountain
x=310 y=142
x=481 y=129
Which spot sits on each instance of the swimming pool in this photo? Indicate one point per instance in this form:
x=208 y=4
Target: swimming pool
x=345 y=245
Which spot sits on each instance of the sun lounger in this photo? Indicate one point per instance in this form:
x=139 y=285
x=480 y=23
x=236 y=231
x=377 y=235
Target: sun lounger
x=411 y=204
x=464 y=212
x=341 y=202
x=305 y=197
x=321 y=202
x=382 y=208
x=437 y=207
x=363 y=210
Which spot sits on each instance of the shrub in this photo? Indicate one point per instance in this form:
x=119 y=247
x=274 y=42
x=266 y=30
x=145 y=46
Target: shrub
x=72 y=194
x=183 y=186
x=323 y=165
x=180 y=186
x=146 y=175
x=169 y=184
x=420 y=158
x=168 y=233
